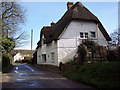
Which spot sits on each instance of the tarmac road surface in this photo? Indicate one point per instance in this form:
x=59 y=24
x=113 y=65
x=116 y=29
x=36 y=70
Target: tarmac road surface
x=25 y=76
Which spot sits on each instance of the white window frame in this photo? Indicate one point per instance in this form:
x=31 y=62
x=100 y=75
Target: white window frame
x=84 y=35
x=81 y=36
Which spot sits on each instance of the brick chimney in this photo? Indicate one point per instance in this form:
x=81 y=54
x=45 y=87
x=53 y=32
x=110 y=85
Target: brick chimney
x=69 y=5
x=52 y=23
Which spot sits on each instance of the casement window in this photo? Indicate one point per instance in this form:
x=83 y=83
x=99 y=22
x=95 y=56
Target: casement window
x=81 y=35
x=92 y=34
x=86 y=35
x=52 y=56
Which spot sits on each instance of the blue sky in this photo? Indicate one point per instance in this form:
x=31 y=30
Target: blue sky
x=41 y=14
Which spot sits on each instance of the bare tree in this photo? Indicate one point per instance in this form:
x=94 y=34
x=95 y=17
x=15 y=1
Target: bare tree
x=13 y=15
x=115 y=37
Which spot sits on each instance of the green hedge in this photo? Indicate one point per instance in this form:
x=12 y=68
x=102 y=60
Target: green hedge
x=5 y=60
x=6 y=63
x=26 y=61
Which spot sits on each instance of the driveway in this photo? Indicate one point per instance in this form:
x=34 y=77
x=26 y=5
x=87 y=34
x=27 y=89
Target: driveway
x=25 y=76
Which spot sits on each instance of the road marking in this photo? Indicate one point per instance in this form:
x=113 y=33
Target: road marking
x=32 y=84
x=20 y=80
x=16 y=71
x=29 y=68
x=16 y=68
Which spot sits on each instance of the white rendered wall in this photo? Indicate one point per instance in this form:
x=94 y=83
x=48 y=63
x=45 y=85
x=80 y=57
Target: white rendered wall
x=48 y=49
x=70 y=38
x=38 y=56
x=18 y=57
x=102 y=40
x=65 y=47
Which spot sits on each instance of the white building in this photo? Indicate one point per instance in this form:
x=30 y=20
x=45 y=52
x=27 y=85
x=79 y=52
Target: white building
x=59 y=41
x=18 y=57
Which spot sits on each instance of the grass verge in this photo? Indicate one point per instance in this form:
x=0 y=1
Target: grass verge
x=98 y=75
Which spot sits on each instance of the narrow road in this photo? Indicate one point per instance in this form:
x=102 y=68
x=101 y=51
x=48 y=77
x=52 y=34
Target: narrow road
x=24 y=76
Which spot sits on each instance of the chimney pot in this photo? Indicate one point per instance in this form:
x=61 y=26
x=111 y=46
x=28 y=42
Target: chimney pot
x=69 y=5
x=52 y=23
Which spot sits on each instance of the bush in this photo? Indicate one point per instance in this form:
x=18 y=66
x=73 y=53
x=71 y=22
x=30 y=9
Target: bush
x=18 y=61
x=111 y=55
x=118 y=53
x=26 y=61
x=5 y=60
x=6 y=65
x=7 y=44
x=72 y=62
x=81 y=54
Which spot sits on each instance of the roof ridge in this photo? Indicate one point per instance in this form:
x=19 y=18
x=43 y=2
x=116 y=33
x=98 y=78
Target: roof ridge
x=79 y=3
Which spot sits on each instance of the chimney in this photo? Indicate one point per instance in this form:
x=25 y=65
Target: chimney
x=52 y=23
x=69 y=5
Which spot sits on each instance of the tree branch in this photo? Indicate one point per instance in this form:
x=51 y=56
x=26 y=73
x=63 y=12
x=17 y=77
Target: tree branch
x=7 y=10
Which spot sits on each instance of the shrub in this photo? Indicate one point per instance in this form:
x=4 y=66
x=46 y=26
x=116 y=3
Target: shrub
x=81 y=54
x=6 y=64
x=7 y=44
x=118 y=53
x=5 y=60
x=18 y=61
x=111 y=55
x=26 y=61
x=71 y=61
x=91 y=46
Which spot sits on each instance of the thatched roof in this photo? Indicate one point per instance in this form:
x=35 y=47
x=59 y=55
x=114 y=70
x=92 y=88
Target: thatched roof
x=76 y=12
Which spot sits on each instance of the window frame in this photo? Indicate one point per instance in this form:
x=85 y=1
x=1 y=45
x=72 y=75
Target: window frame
x=81 y=35
x=52 y=56
x=92 y=34
x=44 y=58
x=86 y=34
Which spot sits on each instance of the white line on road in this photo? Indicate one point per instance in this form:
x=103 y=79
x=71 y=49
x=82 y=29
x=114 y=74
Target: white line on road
x=16 y=71
x=29 y=68
x=16 y=68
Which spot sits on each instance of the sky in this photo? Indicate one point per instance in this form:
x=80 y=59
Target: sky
x=41 y=14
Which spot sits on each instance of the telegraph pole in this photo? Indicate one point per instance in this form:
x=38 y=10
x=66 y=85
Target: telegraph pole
x=31 y=41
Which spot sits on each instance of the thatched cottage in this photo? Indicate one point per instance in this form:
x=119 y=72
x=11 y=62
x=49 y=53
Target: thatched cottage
x=59 y=41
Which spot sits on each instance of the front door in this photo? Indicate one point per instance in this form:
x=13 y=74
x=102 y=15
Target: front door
x=44 y=57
